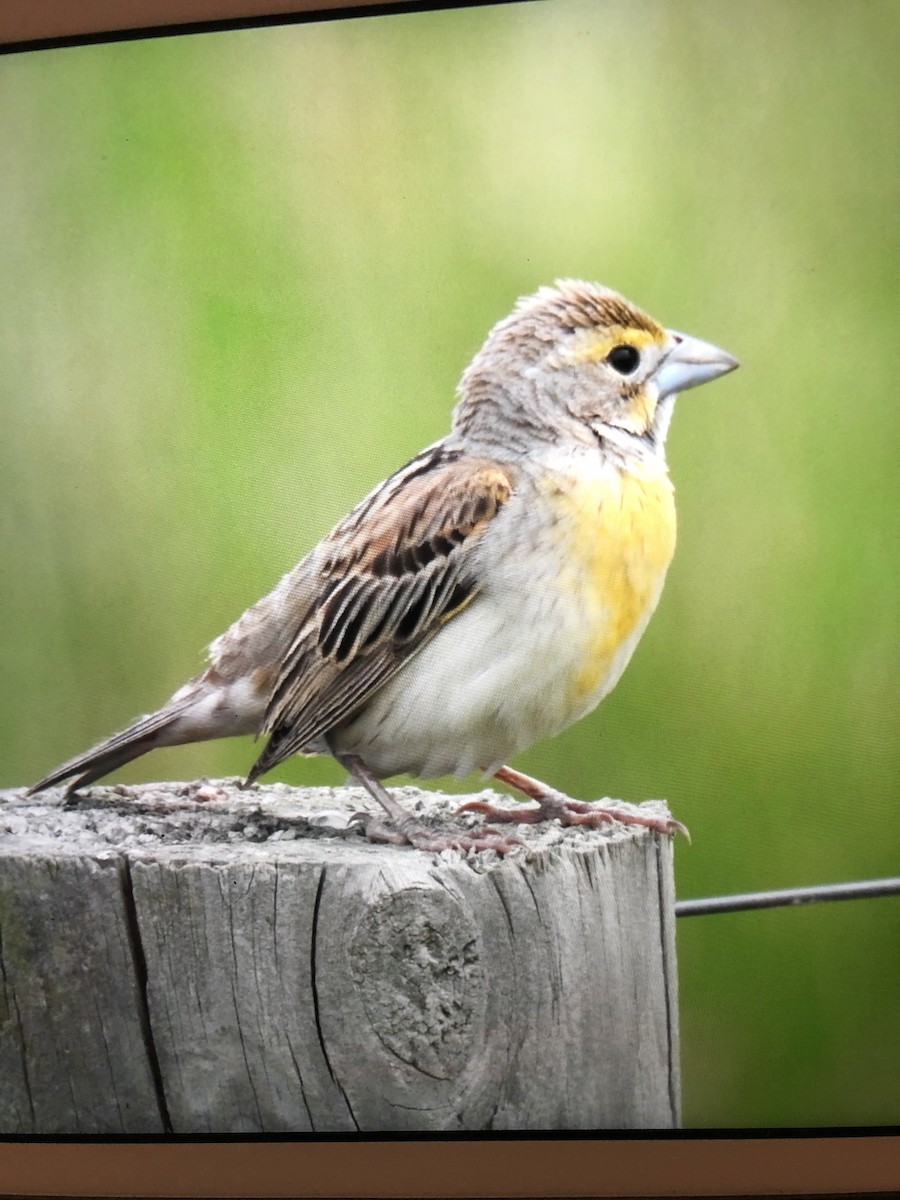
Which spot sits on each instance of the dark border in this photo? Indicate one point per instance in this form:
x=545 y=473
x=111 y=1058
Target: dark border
x=578 y=1166
x=55 y=24
x=688 y=1163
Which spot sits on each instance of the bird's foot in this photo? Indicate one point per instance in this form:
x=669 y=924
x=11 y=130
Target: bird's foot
x=411 y=832
x=553 y=805
x=405 y=829
x=556 y=806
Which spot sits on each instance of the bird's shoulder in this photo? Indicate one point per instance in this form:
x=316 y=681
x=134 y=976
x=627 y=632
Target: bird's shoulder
x=431 y=505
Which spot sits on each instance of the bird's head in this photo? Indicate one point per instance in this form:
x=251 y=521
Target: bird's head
x=579 y=360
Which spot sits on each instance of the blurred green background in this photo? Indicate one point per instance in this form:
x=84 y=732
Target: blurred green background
x=241 y=273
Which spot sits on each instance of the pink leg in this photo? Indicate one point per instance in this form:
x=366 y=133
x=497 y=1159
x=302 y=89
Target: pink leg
x=552 y=804
x=407 y=830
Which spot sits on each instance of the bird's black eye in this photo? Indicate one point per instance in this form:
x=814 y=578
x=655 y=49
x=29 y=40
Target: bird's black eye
x=623 y=359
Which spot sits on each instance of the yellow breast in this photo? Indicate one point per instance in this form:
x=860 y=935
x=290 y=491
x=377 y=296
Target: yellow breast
x=620 y=537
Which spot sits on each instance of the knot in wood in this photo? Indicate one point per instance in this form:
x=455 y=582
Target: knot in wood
x=416 y=958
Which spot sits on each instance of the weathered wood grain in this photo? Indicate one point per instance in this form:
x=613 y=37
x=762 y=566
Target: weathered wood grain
x=243 y=963
x=73 y=1057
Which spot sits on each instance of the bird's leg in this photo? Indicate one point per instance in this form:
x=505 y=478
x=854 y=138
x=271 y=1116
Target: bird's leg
x=408 y=829
x=553 y=804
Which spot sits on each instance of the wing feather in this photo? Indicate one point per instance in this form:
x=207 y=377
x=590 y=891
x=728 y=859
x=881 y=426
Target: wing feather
x=391 y=573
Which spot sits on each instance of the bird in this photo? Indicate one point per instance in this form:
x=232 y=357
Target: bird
x=485 y=596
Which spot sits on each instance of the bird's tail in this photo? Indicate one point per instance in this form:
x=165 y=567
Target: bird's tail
x=167 y=727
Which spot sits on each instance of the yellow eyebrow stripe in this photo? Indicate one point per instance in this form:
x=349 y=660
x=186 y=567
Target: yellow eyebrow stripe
x=593 y=345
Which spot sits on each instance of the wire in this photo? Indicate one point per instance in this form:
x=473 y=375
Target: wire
x=864 y=889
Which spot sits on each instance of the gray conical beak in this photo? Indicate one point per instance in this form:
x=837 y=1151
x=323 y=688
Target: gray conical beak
x=689 y=363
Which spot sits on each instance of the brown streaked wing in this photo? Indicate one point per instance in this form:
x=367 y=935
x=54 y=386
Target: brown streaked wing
x=391 y=573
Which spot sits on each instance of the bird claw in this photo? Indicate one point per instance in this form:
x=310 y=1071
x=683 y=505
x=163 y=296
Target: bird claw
x=375 y=830
x=415 y=834
x=555 y=805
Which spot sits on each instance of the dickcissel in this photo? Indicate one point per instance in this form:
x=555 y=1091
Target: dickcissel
x=487 y=595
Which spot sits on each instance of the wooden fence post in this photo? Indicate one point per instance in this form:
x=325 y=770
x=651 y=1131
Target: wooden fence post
x=199 y=959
